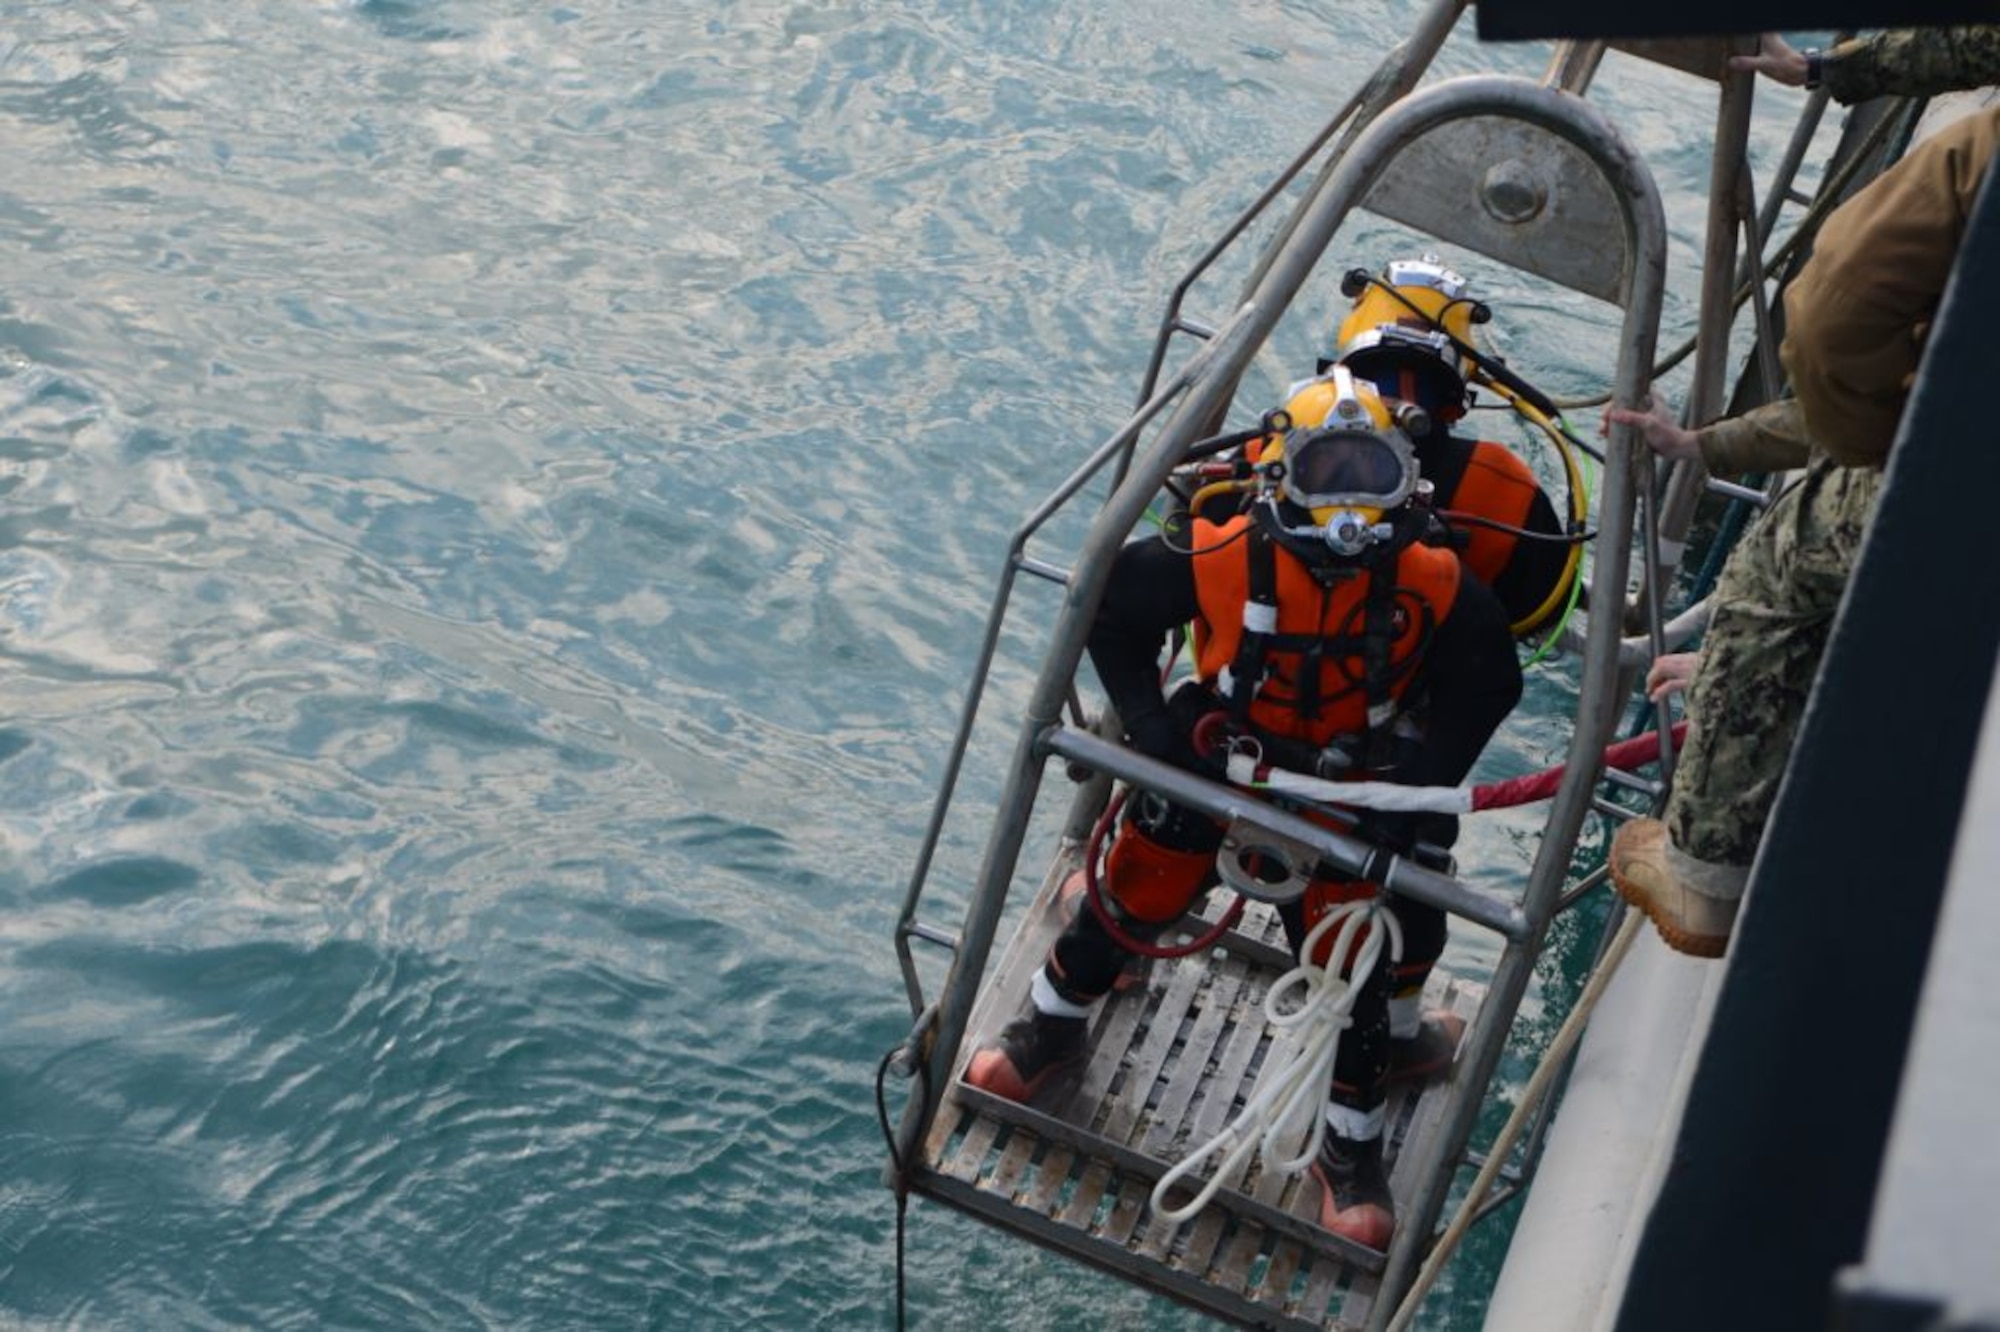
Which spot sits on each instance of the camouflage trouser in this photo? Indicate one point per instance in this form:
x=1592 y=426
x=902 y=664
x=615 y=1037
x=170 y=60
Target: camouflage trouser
x=1773 y=609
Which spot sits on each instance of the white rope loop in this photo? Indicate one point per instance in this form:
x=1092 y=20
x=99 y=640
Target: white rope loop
x=1292 y=1090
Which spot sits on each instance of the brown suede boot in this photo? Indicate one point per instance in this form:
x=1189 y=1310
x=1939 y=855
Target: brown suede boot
x=1691 y=902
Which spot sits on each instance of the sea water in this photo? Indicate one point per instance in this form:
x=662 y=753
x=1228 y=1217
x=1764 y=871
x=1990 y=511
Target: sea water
x=498 y=502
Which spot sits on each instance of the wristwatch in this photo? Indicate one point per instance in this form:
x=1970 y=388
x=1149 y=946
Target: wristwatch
x=1815 y=66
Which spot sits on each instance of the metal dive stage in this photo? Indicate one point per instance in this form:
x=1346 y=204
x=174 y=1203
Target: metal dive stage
x=1532 y=176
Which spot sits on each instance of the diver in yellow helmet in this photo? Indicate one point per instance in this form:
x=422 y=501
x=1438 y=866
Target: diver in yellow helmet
x=1409 y=333
x=1408 y=338
x=1345 y=462
x=1405 y=332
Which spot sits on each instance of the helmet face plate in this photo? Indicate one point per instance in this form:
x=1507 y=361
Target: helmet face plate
x=1328 y=466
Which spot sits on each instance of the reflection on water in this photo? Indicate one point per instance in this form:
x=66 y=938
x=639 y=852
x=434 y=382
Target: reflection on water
x=497 y=505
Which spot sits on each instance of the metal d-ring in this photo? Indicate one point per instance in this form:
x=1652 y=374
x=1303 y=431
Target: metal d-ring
x=1263 y=865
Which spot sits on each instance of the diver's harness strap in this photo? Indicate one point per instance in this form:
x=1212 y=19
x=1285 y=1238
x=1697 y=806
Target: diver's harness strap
x=1375 y=644
x=1260 y=621
x=1219 y=714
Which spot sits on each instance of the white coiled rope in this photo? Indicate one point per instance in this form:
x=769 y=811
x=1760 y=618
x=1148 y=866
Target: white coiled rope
x=1291 y=1093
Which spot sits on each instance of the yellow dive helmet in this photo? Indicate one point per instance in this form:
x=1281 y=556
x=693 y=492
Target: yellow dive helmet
x=1344 y=460
x=1399 y=333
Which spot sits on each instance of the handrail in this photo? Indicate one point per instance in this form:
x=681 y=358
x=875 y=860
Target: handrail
x=1392 y=79
x=1600 y=698
x=1398 y=874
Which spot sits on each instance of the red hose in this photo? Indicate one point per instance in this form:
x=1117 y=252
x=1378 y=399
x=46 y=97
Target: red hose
x=1541 y=785
x=1093 y=893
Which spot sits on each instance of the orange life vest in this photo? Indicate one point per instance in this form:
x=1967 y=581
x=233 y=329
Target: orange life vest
x=1326 y=622
x=1497 y=485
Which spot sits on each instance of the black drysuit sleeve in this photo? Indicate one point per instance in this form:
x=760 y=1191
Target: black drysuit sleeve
x=1466 y=684
x=1149 y=593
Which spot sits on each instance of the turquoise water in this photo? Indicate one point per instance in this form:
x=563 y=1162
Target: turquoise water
x=497 y=505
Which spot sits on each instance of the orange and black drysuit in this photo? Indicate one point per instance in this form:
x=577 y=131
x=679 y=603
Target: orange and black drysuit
x=1393 y=665
x=1485 y=480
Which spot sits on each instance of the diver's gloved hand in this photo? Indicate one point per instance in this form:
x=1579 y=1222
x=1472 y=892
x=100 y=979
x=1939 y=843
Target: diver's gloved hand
x=1392 y=830
x=1425 y=836
x=1161 y=735
x=1204 y=726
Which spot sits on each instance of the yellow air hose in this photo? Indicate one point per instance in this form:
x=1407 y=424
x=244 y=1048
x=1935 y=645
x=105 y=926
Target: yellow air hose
x=1579 y=503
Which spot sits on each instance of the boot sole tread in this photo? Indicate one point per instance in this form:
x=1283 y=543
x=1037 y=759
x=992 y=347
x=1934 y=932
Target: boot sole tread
x=1678 y=939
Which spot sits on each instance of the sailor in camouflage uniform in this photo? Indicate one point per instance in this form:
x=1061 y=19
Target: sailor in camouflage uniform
x=1856 y=318
x=1774 y=609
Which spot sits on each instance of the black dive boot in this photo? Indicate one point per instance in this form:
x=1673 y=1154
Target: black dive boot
x=1429 y=1053
x=1032 y=1049
x=1354 y=1200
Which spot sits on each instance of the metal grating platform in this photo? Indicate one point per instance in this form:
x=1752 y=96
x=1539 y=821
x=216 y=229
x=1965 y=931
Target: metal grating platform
x=1172 y=1062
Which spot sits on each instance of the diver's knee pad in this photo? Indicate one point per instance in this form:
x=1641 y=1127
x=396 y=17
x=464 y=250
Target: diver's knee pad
x=1154 y=881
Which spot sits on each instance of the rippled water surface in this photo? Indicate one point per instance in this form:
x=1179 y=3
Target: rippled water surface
x=497 y=505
